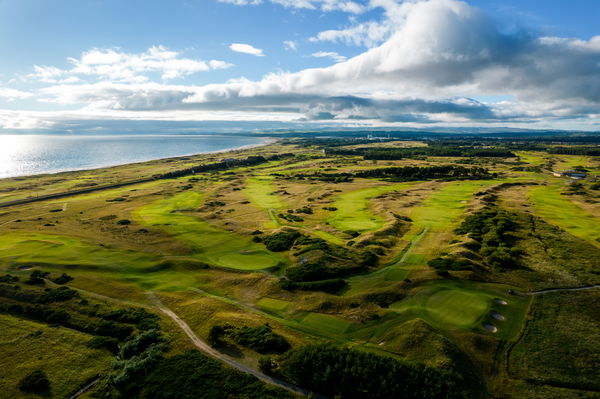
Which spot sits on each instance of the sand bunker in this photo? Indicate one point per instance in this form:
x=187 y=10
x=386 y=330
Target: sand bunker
x=497 y=315
x=500 y=301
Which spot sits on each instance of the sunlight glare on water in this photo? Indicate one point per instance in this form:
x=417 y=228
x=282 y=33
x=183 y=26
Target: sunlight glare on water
x=22 y=155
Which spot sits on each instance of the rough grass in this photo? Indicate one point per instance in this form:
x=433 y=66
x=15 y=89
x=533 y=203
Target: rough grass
x=557 y=209
x=560 y=344
x=209 y=243
x=61 y=353
x=354 y=212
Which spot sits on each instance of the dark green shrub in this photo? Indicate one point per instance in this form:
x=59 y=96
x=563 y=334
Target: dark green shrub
x=261 y=339
x=140 y=343
x=62 y=279
x=281 y=241
x=109 y=343
x=36 y=277
x=35 y=382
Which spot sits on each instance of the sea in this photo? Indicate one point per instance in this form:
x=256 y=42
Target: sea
x=24 y=155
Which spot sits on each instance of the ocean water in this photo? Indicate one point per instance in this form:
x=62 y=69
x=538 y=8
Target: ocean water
x=23 y=155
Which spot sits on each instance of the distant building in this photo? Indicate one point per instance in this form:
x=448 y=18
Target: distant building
x=572 y=174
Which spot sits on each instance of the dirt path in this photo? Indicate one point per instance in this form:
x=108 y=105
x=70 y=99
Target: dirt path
x=86 y=388
x=547 y=290
x=204 y=347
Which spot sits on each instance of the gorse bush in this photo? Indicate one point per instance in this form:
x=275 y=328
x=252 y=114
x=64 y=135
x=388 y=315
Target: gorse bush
x=281 y=241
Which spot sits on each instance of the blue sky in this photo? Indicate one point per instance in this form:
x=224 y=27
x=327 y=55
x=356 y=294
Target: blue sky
x=317 y=63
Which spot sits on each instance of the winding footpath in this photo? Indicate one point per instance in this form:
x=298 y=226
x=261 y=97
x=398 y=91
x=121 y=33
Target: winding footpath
x=204 y=347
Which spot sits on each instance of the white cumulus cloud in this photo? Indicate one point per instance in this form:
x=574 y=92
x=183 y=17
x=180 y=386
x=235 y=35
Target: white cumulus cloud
x=246 y=49
x=117 y=65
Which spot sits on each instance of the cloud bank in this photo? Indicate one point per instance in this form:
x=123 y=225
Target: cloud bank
x=429 y=62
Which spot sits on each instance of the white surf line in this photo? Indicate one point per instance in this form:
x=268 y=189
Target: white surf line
x=207 y=349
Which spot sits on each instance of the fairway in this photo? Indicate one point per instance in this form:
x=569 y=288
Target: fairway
x=556 y=209
x=60 y=250
x=209 y=243
x=274 y=305
x=435 y=218
x=259 y=190
x=326 y=323
x=353 y=209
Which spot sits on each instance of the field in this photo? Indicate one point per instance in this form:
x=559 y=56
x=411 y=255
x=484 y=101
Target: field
x=316 y=250
x=69 y=364
x=560 y=345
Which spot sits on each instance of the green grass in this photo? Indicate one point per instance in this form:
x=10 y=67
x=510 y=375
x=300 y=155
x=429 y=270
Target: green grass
x=25 y=248
x=532 y=157
x=437 y=215
x=209 y=243
x=556 y=209
x=457 y=308
x=560 y=344
x=354 y=211
x=60 y=352
x=462 y=305
x=259 y=190
x=325 y=323
x=274 y=305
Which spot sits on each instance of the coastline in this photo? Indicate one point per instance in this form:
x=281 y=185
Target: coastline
x=264 y=141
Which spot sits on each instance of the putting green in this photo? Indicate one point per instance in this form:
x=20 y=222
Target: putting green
x=464 y=305
x=457 y=308
x=557 y=209
x=209 y=243
x=353 y=209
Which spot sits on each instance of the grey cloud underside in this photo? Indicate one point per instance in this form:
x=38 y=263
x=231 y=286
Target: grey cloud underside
x=315 y=107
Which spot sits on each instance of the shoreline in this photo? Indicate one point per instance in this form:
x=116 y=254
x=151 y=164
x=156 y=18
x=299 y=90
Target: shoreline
x=264 y=142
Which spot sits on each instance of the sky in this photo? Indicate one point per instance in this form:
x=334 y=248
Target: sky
x=101 y=65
